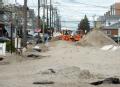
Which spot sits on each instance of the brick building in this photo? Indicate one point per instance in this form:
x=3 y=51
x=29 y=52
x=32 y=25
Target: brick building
x=112 y=16
x=110 y=21
x=115 y=9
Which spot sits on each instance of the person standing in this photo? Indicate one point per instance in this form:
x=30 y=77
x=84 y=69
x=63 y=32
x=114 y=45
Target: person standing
x=46 y=36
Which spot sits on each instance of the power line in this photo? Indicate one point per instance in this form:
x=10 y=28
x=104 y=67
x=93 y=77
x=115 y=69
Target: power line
x=70 y=21
x=85 y=10
x=93 y=5
x=69 y=26
x=98 y=6
x=79 y=9
x=84 y=4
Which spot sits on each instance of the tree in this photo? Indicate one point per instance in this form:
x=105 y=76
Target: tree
x=87 y=25
x=84 y=25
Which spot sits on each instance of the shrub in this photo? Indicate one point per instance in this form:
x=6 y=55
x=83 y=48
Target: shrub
x=8 y=46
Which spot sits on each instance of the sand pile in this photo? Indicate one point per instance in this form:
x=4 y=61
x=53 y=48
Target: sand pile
x=70 y=73
x=57 y=38
x=75 y=73
x=96 y=38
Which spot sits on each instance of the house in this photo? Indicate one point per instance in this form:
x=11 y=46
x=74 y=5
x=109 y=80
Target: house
x=111 y=17
x=18 y=20
x=3 y=31
x=108 y=20
x=115 y=9
x=113 y=32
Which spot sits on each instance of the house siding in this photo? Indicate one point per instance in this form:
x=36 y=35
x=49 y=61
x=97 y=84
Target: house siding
x=114 y=32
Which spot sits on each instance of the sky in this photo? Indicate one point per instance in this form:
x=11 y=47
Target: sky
x=74 y=10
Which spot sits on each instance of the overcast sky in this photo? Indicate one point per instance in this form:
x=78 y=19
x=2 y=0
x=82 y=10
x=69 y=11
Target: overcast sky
x=74 y=10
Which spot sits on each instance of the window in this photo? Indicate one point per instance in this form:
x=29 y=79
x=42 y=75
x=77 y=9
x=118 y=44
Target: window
x=108 y=32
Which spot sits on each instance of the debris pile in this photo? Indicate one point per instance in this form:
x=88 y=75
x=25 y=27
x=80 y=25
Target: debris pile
x=96 y=38
x=107 y=81
x=41 y=48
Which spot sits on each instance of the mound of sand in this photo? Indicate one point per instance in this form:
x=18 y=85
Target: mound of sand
x=75 y=72
x=96 y=38
x=57 y=38
x=69 y=73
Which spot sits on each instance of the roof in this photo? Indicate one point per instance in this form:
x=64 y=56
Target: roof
x=117 y=25
x=109 y=27
x=112 y=17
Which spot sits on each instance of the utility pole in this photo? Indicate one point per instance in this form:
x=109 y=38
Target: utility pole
x=25 y=24
x=47 y=14
x=43 y=19
x=38 y=14
x=55 y=18
x=11 y=34
x=57 y=22
x=52 y=17
x=60 y=23
x=52 y=20
x=47 y=17
x=50 y=12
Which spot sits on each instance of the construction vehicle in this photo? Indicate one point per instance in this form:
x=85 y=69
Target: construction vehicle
x=69 y=35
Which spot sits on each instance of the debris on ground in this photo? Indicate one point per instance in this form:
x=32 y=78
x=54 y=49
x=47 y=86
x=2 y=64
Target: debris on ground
x=24 y=49
x=107 y=81
x=110 y=47
x=4 y=63
x=44 y=48
x=49 y=71
x=44 y=82
x=1 y=58
x=96 y=38
x=37 y=48
x=107 y=47
x=33 y=56
x=52 y=70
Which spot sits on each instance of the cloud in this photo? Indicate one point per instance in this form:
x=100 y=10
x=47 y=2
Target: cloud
x=117 y=0
x=72 y=10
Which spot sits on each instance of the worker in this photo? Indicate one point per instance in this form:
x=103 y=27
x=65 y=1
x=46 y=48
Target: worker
x=66 y=32
x=46 y=36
